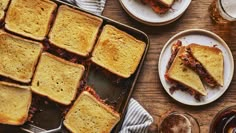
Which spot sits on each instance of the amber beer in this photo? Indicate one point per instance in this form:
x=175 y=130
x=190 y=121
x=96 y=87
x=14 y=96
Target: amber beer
x=224 y=121
x=179 y=123
x=223 y=11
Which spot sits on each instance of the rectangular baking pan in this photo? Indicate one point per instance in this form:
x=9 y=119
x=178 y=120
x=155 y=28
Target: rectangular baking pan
x=113 y=90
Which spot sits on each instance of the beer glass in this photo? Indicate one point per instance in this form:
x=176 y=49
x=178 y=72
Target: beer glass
x=223 y=11
x=224 y=121
x=177 y=122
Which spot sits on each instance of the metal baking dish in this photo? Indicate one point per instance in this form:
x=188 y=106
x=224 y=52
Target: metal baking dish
x=115 y=91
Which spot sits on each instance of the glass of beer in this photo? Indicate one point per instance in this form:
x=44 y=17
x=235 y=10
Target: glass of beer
x=223 y=11
x=177 y=122
x=224 y=121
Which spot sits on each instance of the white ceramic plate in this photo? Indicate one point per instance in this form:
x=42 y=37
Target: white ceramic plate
x=202 y=37
x=144 y=13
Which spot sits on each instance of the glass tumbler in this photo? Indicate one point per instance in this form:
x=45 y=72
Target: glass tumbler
x=223 y=11
x=224 y=121
x=179 y=123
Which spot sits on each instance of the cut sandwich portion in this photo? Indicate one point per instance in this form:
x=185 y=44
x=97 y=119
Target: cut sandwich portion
x=118 y=52
x=18 y=57
x=57 y=79
x=90 y=115
x=174 y=51
x=167 y=3
x=74 y=30
x=186 y=77
x=30 y=18
x=159 y=6
x=15 y=103
x=207 y=61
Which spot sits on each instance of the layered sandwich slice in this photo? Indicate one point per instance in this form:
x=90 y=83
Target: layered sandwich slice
x=90 y=115
x=15 y=103
x=159 y=6
x=207 y=61
x=183 y=77
x=57 y=78
x=167 y=3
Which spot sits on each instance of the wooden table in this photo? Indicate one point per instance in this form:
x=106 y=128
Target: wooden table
x=149 y=91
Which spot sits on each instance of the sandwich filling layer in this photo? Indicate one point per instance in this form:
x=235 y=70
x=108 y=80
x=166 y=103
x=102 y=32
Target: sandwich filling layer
x=174 y=50
x=191 y=62
x=173 y=74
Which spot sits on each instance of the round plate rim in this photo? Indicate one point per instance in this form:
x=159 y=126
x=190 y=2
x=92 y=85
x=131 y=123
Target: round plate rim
x=188 y=32
x=154 y=23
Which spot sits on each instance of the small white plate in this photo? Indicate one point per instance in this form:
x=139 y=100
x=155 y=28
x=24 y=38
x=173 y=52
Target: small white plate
x=202 y=37
x=144 y=13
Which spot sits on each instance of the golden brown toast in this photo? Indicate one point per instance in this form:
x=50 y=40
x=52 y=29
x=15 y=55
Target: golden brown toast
x=30 y=18
x=167 y=3
x=18 y=57
x=90 y=115
x=212 y=60
x=118 y=52
x=57 y=79
x=15 y=103
x=74 y=30
x=184 y=75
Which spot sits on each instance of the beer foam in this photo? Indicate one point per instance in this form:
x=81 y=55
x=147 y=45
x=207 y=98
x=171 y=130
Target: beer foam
x=229 y=7
x=176 y=123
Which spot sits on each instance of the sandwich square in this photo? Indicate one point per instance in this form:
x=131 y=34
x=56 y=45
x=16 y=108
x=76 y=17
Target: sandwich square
x=3 y=6
x=18 y=57
x=74 y=31
x=89 y=115
x=212 y=59
x=57 y=79
x=184 y=75
x=15 y=101
x=30 y=18
x=167 y=3
x=118 y=52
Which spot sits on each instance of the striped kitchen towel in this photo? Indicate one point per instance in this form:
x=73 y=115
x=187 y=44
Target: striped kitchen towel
x=94 y=6
x=137 y=119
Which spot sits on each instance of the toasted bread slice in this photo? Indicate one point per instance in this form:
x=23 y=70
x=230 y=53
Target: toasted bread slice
x=75 y=31
x=15 y=103
x=212 y=60
x=184 y=75
x=18 y=57
x=30 y=18
x=89 y=115
x=3 y=6
x=118 y=52
x=57 y=79
x=167 y=3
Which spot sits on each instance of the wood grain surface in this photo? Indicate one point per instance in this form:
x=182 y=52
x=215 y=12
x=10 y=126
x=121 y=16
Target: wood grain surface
x=148 y=90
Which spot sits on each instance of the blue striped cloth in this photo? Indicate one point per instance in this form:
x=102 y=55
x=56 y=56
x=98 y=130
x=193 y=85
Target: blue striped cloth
x=137 y=119
x=94 y=6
